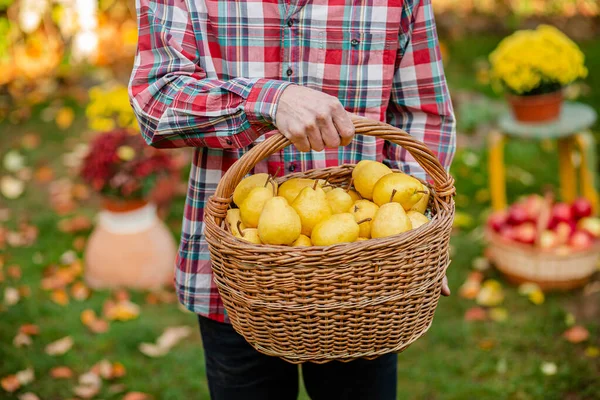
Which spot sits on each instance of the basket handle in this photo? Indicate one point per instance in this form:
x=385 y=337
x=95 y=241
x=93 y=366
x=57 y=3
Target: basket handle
x=443 y=182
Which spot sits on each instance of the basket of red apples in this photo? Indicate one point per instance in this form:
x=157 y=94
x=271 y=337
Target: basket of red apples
x=556 y=245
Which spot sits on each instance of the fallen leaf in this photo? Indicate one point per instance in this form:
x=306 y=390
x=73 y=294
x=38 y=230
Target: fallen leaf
x=498 y=314
x=491 y=294
x=537 y=297
x=481 y=264
x=64 y=117
x=44 y=174
x=469 y=290
x=152 y=350
x=136 y=396
x=24 y=291
x=486 y=344
x=80 y=191
x=89 y=385
x=576 y=334
x=13 y=161
x=527 y=288
x=30 y=141
x=103 y=368
x=14 y=271
x=121 y=311
x=22 y=340
x=592 y=352
x=118 y=370
x=87 y=316
x=173 y=335
x=61 y=372
x=475 y=314
x=29 y=329
x=68 y=257
x=28 y=396
x=152 y=298
x=117 y=388
x=60 y=297
x=60 y=346
x=80 y=291
x=11 y=188
x=26 y=376
x=75 y=224
x=548 y=368
x=10 y=383
x=11 y=296
x=121 y=295
x=79 y=243
x=98 y=326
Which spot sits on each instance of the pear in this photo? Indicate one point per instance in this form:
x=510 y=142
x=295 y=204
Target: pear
x=250 y=235
x=354 y=195
x=416 y=218
x=390 y=219
x=253 y=204
x=339 y=200
x=422 y=204
x=367 y=176
x=291 y=188
x=312 y=207
x=302 y=241
x=279 y=223
x=408 y=190
x=360 y=239
x=339 y=228
x=362 y=210
x=249 y=183
x=361 y=164
x=234 y=222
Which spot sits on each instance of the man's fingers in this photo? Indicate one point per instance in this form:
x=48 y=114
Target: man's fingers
x=314 y=137
x=344 y=125
x=328 y=132
x=445 y=287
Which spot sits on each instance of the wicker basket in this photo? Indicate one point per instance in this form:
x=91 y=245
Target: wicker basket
x=342 y=302
x=551 y=271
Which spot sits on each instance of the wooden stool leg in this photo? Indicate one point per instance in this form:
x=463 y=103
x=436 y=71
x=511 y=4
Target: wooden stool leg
x=568 y=178
x=497 y=172
x=587 y=148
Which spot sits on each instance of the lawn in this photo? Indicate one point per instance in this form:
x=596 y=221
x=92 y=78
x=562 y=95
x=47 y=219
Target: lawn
x=457 y=359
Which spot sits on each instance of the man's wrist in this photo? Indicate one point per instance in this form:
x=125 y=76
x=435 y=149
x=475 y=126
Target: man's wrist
x=263 y=99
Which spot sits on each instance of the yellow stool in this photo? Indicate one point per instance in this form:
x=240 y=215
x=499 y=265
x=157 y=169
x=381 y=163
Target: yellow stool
x=571 y=131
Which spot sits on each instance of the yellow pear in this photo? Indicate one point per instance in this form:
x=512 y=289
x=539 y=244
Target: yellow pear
x=367 y=176
x=302 y=241
x=234 y=222
x=361 y=164
x=362 y=210
x=354 y=195
x=339 y=200
x=408 y=190
x=279 y=223
x=291 y=188
x=390 y=219
x=323 y=184
x=253 y=204
x=312 y=207
x=422 y=204
x=339 y=228
x=250 y=235
x=417 y=219
x=249 y=183
x=360 y=239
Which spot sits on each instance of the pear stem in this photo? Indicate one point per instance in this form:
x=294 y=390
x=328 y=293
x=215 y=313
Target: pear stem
x=364 y=220
x=315 y=185
x=271 y=177
x=355 y=208
x=350 y=185
x=239 y=223
x=421 y=191
x=392 y=196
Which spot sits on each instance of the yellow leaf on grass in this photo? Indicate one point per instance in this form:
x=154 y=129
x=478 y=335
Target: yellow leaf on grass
x=537 y=297
x=498 y=314
x=122 y=311
x=60 y=346
x=491 y=294
x=64 y=117
x=592 y=352
x=80 y=291
x=60 y=297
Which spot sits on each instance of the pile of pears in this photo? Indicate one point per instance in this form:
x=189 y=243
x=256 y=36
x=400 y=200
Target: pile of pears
x=311 y=212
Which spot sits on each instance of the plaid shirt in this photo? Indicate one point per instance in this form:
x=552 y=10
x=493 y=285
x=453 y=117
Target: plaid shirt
x=208 y=74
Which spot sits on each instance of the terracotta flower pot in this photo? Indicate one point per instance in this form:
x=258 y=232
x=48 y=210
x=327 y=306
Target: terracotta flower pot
x=129 y=247
x=536 y=108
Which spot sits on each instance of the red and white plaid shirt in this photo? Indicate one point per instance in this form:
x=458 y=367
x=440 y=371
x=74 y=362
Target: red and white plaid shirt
x=208 y=74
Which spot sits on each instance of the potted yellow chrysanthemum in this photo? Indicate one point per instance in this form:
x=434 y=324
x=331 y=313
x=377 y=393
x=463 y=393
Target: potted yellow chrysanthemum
x=533 y=66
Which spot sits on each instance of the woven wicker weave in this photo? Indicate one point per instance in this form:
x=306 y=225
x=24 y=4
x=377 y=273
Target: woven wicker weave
x=341 y=302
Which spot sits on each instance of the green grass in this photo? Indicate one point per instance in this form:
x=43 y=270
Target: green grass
x=448 y=363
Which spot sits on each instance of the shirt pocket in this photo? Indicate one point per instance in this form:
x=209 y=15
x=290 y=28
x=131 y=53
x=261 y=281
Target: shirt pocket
x=358 y=68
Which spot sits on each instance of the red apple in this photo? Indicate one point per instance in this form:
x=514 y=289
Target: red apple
x=581 y=240
x=581 y=208
x=507 y=232
x=563 y=231
x=533 y=205
x=590 y=225
x=497 y=220
x=548 y=239
x=525 y=233
x=561 y=212
x=517 y=215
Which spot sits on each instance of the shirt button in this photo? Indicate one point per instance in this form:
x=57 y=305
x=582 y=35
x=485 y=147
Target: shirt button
x=292 y=168
x=354 y=42
x=229 y=142
x=289 y=71
x=290 y=22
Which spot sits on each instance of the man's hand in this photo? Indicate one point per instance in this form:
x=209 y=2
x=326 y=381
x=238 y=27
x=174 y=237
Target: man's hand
x=445 y=287
x=313 y=120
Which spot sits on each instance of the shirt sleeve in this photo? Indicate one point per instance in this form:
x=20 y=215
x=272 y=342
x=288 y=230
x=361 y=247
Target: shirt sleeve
x=420 y=101
x=176 y=103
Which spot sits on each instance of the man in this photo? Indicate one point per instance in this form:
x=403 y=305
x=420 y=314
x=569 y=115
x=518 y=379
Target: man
x=221 y=75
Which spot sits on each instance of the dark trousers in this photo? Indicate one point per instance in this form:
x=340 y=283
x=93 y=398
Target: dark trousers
x=235 y=370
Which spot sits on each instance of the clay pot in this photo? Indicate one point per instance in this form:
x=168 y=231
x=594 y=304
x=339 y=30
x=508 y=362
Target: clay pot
x=130 y=247
x=536 y=108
